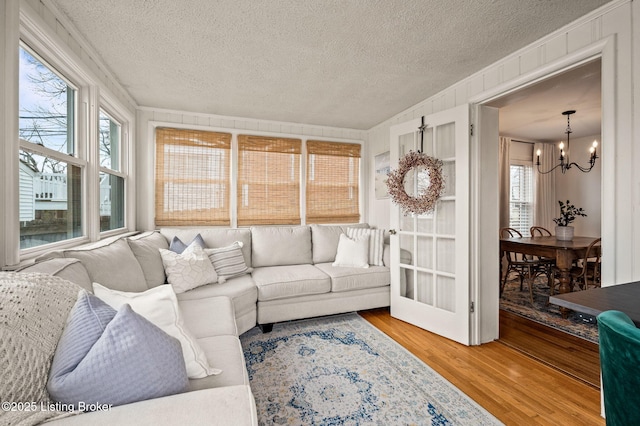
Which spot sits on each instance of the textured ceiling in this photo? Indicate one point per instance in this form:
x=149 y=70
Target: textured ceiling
x=342 y=63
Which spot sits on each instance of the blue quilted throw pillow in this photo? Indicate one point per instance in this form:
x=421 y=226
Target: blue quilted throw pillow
x=113 y=357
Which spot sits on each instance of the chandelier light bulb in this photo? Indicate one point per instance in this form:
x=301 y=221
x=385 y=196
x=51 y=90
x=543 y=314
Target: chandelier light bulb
x=561 y=146
x=595 y=144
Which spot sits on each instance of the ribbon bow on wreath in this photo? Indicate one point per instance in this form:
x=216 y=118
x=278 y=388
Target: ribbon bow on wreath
x=426 y=201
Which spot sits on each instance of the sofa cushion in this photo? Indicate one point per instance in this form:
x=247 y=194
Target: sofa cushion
x=33 y=311
x=189 y=269
x=223 y=350
x=228 y=261
x=279 y=282
x=346 y=279
x=376 y=243
x=324 y=239
x=160 y=306
x=69 y=269
x=145 y=248
x=353 y=252
x=234 y=405
x=242 y=291
x=104 y=357
x=112 y=264
x=214 y=237
x=209 y=316
x=278 y=246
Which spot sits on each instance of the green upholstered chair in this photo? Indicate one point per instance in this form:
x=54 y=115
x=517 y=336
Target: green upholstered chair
x=620 y=366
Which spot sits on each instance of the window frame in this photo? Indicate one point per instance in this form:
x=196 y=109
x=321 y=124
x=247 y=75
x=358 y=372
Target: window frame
x=529 y=165
x=123 y=161
x=91 y=95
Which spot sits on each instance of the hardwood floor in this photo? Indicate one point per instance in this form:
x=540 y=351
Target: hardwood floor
x=514 y=387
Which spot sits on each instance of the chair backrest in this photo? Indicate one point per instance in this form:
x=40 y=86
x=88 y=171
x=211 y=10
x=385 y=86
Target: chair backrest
x=539 y=231
x=619 y=360
x=509 y=233
x=591 y=263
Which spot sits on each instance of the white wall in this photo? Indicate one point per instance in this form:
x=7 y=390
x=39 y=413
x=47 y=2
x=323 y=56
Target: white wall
x=582 y=189
x=609 y=32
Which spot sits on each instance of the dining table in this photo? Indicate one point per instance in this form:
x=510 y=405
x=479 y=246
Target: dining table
x=564 y=252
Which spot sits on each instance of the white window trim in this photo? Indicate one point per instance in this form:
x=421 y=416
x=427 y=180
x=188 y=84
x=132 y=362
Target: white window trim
x=91 y=95
x=528 y=163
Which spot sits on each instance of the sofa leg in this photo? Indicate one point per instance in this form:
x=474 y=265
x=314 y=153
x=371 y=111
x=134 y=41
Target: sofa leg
x=266 y=328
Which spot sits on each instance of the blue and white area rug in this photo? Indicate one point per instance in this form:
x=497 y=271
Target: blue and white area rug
x=341 y=370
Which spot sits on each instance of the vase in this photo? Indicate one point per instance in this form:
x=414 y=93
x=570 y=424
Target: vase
x=564 y=233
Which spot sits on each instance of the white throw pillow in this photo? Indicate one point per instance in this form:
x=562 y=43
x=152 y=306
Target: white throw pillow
x=228 y=261
x=353 y=253
x=189 y=269
x=159 y=305
x=376 y=243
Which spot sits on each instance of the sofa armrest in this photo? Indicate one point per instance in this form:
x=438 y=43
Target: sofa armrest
x=219 y=406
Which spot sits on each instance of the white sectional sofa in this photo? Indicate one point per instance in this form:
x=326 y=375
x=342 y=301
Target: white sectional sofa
x=291 y=277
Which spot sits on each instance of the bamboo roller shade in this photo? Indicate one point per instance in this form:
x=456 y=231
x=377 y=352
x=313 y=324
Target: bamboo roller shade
x=332 y=182
x=268 y=180
x=192 y=177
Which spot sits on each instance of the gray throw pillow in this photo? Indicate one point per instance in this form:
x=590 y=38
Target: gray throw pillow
x=177 y=246
x=109 y=357
x=228 y=261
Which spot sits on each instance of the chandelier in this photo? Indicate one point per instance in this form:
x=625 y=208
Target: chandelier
x=564 y=153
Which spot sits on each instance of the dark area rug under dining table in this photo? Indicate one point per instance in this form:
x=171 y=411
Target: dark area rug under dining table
x=518 y=302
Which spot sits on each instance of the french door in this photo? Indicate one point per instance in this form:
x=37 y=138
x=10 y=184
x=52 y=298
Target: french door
x=430 y=252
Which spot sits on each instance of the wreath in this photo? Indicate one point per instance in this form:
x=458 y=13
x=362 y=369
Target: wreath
x=425 y=202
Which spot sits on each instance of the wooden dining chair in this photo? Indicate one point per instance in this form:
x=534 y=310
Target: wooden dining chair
x=539 y=231
x=527 y=267
x=550 y=262
x=587 y=273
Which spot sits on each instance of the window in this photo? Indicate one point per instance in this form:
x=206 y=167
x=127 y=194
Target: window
x=50 y=172
x=268 y=180
x=332 y=182
x=192 y=177
x=521 y=198
x=111 y=180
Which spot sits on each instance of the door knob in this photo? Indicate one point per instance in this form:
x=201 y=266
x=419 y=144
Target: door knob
x=392 y=231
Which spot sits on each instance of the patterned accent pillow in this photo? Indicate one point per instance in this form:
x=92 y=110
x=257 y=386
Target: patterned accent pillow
x=228 y=261
x=376 y=243
x=188 y=270
x=160 y=306
x=177 y=246
x=353 y=252
x=109 y=357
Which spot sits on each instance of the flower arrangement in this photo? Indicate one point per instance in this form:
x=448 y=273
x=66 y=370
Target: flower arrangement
x=568 y=213
x=425 y=202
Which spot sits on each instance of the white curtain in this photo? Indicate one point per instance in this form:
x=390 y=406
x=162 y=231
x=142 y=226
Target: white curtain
x=504 y=180
x=544 y=189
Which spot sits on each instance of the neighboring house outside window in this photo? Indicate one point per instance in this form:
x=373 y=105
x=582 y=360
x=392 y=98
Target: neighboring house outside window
x=521 y=197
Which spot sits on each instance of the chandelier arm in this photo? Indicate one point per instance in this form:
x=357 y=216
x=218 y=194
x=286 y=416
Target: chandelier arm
x=550 y=170
x=584 y=169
